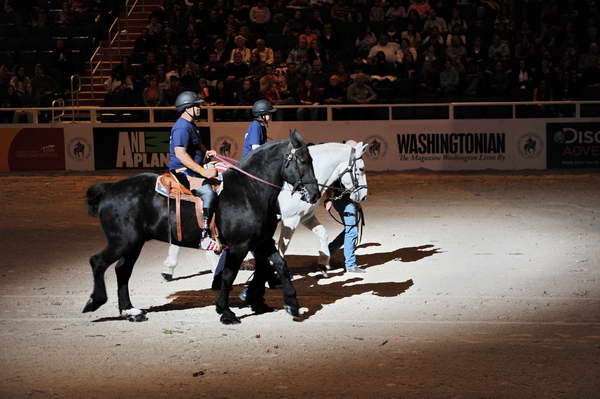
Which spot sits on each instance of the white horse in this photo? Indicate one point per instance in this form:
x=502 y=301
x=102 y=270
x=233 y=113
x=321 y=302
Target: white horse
x=331 y=161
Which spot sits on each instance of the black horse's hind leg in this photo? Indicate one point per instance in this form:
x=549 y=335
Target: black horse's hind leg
x=123 y=271
x=100 y=262
x=232 y=266
x=255 y=296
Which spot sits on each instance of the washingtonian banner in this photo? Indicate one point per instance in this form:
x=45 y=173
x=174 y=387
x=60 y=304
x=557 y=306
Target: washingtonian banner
x=408 y=145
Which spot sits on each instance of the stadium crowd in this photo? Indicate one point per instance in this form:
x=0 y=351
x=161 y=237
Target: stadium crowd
x=233 y=52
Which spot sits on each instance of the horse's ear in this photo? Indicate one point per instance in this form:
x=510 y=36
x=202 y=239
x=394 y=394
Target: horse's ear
x=360 y=149
x=296 y=139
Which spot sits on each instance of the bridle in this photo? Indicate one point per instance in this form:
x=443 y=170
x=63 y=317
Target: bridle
x=290 y=156
x=350 y=168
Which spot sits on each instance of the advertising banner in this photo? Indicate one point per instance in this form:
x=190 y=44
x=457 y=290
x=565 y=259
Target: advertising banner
x=573 y=145
x=434 y=145
x=79 y=148
x=134 y=147
x=27 y=149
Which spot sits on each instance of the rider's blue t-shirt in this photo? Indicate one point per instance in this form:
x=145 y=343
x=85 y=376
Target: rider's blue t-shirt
x=256 y=135
x=184 y=134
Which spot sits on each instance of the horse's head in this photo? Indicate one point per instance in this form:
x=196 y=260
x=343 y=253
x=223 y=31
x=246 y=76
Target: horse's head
x=298 y=169
x=354 y=178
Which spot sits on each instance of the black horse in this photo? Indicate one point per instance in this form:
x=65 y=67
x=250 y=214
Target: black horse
x=131 y=213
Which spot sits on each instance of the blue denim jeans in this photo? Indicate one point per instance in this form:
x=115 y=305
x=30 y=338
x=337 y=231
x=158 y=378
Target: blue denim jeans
x=349 y=237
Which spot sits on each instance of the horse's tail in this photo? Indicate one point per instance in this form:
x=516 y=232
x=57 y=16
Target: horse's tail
x=94 y=196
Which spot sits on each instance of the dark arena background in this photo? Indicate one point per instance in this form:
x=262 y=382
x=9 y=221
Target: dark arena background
x=482 y=218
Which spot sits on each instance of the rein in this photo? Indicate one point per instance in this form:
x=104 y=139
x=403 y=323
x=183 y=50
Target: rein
x=228 y=162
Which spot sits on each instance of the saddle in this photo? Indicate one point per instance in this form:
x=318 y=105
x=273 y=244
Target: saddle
x=169 y=186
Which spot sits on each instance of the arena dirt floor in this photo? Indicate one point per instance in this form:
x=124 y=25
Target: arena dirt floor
x=478 y=285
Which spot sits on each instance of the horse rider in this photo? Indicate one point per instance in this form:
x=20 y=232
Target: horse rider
x=187 y=153
x=349 y=213
x=256 y=135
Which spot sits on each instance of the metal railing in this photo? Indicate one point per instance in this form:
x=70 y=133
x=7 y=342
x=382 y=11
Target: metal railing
x=58 y=105
x=75 y=89
x=116 y=31
x=333 y=113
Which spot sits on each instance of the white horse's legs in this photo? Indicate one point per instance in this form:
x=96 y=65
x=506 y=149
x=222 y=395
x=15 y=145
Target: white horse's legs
x=312 y=223
x=288 y=226
x=170 y=262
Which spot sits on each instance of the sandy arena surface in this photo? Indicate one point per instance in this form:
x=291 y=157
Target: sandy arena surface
x=478 y=286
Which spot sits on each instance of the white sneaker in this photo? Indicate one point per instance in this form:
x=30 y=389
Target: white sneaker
x=208 y=244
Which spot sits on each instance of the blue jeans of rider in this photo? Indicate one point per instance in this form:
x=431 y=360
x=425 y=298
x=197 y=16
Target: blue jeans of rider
x=349 y=237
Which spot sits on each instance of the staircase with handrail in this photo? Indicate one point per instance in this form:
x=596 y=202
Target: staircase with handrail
x=121 y=37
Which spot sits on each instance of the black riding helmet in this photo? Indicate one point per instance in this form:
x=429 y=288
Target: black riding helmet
x=186 y=100
x=262 y=107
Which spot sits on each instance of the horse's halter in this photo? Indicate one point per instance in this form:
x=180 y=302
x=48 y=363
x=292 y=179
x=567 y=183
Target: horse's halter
x=294 y=155
x=351 y=170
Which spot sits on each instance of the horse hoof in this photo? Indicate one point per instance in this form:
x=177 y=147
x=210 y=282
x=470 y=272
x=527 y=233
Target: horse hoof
x=167 y=277
x=292 y=310
x=137 y=318
x=230 y=319
x=323 y=270
x=92 y=305
x=261 y=308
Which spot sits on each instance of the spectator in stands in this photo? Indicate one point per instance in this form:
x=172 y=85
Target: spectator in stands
x=308 y=35
x=155 y=28
x=301 y=50
x=364 y=41
x=386 y=47
x=523 y=79
x=173 y=90
x=237 y=69
x=456 y=49
x=221 y=51
x=449 y=79
x=150 y=65
x=474 y=80
x=498 y=81
x=412 y=35
x=457 y=26
x=317 y=75
x=213 y=70
x=198 y=52
x=382 y=72
x=265 y=53
x=21 y=84
x=257 y=66
x=43 y=87
x=435 y=21
x=295 y=25
x=334 y=93
x=295 y=79
x=221 y=95
x=260 y=15
x=247 y=95
x=591 y=82
x=153 y=95
x=499 y=48
x=204 y=91
x=395 y=12
x=589 y=59
x=189 y=76
x=422 y=7
x=308 y=95
x=341 y=74
x=377 y=13
x=242 y=50
x=475 y=51
x=119 y=87
x=145 y=42
x=360 y=92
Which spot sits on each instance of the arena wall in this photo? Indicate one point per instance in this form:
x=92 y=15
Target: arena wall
x=440 y=145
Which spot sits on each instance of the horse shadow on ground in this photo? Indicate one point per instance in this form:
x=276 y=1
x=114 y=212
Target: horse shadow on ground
x=311 y=293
